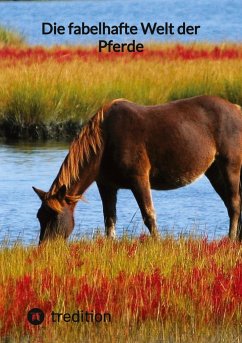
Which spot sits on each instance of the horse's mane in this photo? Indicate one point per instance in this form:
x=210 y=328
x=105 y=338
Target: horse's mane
x=88 y=141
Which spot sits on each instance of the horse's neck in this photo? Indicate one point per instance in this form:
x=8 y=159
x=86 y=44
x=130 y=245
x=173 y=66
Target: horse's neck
x=87 y=174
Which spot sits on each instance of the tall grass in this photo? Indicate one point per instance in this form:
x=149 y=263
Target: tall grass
x=10 y=37
x=56 y=92
x=184 y=290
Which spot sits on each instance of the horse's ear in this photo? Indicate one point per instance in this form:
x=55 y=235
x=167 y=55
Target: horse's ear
x=61 y=193
x=40 y=193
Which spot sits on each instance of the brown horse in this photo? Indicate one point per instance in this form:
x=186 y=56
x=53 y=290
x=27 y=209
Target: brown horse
x=125 y=145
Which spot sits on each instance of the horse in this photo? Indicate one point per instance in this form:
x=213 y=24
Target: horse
x=162 y=147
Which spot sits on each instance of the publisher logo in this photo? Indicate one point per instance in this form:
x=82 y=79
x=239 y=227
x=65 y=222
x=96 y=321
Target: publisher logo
x=35 y=316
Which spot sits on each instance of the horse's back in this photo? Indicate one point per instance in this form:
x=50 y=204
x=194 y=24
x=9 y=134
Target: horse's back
x=213 y=116
x=175 y=142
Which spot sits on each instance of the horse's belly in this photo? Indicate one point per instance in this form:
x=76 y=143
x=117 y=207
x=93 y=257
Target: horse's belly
x=180 y=168
x=169 y=182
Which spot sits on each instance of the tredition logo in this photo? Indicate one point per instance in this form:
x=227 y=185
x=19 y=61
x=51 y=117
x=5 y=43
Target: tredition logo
x=35 y=316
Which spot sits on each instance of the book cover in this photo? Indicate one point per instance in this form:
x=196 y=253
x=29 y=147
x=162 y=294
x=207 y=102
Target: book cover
x=120 y=171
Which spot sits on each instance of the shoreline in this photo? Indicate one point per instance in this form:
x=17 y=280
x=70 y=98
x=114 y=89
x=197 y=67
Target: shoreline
x=64 y=131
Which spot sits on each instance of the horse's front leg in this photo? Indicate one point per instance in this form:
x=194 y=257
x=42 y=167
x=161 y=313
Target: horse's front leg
x=142 y=193
x=109 y=199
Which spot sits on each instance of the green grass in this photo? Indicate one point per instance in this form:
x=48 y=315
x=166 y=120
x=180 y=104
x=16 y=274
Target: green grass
x=41 y=88
x=10 y=37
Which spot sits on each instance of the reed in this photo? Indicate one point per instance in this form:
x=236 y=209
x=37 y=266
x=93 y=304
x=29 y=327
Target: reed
x=41 y=93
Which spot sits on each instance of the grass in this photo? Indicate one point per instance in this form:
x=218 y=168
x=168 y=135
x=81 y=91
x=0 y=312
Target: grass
x=40 y=88
x=10 y=37
x=171 y=290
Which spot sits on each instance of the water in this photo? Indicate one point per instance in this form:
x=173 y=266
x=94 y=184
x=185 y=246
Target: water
x=220 y=20
x=195 y=208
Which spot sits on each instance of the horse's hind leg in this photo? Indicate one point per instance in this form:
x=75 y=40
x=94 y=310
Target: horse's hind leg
x=142 y=194
x=231 y=174
x=109 y=200
x=216 y=179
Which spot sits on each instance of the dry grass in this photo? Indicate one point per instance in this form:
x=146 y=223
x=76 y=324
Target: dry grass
x=55 y=92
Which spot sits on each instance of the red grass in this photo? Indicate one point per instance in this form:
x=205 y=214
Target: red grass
x=210 y=293
x=177 y=52
x=144 y=295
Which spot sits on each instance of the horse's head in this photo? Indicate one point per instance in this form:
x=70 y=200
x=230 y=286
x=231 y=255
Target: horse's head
x=55 y=214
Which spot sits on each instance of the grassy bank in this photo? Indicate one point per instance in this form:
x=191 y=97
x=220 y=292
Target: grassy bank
x=49 y=93
x=184 y=290
x=10 y=37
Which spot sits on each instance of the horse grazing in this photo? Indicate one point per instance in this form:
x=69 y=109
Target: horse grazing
x=125 y=145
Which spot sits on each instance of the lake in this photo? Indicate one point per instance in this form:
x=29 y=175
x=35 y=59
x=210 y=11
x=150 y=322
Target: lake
x=193 y=209
x=220 y=20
